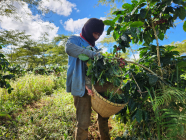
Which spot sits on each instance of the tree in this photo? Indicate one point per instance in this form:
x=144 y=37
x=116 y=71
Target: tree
x=57 y=54
x=180 y=47
x=11 y=40
x=33 y=54
x=157 y=75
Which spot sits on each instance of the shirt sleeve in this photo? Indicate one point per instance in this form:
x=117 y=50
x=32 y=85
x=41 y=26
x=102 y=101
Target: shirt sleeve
x=72 y=49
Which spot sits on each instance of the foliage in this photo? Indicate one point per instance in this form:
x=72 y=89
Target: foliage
x=180 y=47
x=109 y=68
x=108 y=1
x=129 y=21
x=33 y=54
x=26 y=90
x=158 y=70
x=16 y=70
x=49 y=118
x=55 y=69
x=4 y=78
x=12 y=37
x=40 y=70
x=114 y=97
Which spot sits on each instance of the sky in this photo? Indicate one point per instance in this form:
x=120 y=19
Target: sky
x=68 y=19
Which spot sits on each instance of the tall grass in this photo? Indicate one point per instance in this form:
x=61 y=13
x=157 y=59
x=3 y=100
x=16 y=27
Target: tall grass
x=26 y=90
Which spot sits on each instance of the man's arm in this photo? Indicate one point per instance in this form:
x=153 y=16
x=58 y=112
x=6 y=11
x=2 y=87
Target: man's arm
x=74 y=50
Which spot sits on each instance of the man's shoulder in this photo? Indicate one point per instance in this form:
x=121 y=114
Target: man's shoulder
x=75 y=37
x=78 y=39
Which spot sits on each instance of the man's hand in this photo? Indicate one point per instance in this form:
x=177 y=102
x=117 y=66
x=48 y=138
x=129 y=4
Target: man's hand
x=90 y=93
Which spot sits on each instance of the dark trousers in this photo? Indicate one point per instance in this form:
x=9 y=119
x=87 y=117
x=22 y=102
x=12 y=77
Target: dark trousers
x=83 y=114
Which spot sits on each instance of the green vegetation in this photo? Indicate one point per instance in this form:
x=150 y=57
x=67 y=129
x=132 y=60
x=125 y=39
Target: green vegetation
x=180 y=46
x=33 y=101
x=26 y=90
x=155 y=91
x=51 y=117
x=34 y=54
x=40 y=108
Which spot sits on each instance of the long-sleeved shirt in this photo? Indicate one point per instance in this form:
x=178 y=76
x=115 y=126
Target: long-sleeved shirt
x=76 y=68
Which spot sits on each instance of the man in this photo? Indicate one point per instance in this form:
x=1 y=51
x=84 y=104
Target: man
x=84 y=44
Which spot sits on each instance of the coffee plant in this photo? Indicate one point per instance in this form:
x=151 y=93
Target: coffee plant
x=155 y=91
x=40 y=70
x=3 y=76
x=17 y=70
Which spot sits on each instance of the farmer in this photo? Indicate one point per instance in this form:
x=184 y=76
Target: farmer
x=76 y=83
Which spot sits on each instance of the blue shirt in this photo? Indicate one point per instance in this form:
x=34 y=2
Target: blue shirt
x=76 y=68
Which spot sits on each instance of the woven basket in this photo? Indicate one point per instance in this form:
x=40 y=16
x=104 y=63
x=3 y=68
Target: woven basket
x=103 y=106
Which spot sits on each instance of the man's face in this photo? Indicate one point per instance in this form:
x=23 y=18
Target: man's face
x=96 y=35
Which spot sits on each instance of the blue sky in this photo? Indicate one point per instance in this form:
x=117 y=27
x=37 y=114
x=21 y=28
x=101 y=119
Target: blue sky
x=69 y=18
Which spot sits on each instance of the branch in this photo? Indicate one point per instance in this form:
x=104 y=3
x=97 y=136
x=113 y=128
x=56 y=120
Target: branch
x=137 y=84
x=157 y=48
x=118 y=87
x=142 y=67
x=133 y=53
x=146 y=69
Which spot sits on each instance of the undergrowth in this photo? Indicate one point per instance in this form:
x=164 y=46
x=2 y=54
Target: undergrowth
x=40 y=108
x=26 y=90
x=49 y=118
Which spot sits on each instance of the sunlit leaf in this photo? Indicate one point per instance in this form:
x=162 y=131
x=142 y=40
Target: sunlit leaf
x=108 y=22
x=127 y=6
x=83 y=57
x=184 y=26
x=136 y=24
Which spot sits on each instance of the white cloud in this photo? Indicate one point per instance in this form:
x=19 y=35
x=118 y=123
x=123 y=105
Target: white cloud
x=77 y=10
x=74 y=26
x=103 y=18
x=32 y=25
x=136 y=55
x=61 y=22
x=61 y=7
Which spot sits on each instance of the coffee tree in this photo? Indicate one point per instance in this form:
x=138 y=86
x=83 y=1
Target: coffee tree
x=155 y=91
x=3 y=77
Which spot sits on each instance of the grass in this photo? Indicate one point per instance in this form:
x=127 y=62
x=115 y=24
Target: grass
x=41 y=109
x=49 y=118
x=26 y=90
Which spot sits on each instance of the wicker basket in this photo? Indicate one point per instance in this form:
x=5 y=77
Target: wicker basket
x=103 y=106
